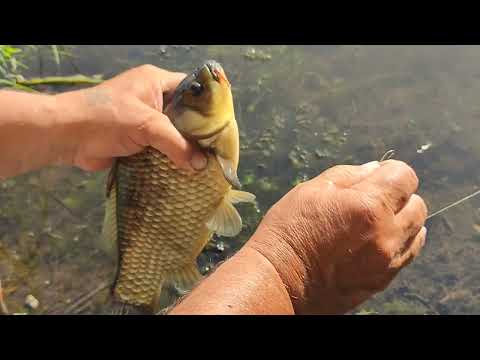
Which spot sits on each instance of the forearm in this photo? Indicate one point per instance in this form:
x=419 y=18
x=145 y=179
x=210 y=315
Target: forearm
x=246 y=284
x=35 y=130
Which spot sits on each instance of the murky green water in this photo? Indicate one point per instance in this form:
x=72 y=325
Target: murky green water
x=301 y=109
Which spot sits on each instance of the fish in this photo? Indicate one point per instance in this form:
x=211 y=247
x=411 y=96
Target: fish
x=161 y=216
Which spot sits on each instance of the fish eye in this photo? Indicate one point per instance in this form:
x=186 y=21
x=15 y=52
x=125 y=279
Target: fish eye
x=196 y=88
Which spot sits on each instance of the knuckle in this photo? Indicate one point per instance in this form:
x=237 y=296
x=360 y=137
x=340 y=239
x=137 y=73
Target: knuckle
x=149 y=130
x=422 y=206
x=147 y=68
x=338 y=171
x=385 y=254
x=306 y=200
x=401 y=262
x=368 y=210
x=410 y=174
x=304 y=190
x=413 y=217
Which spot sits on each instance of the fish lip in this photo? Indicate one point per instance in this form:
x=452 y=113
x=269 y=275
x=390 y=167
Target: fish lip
x=214 y=67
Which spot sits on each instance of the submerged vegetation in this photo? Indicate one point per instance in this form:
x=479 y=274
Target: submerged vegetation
x=12 y=65
x=300 y=110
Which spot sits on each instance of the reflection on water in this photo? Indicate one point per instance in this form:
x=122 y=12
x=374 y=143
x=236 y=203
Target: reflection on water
x=301 y=109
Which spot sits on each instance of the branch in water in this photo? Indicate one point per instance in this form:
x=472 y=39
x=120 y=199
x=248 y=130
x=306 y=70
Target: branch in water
x=83 y=300
x=15 y=85
x=61 y=80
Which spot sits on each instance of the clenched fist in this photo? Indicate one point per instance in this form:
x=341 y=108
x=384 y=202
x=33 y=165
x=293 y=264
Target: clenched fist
x=343 y=236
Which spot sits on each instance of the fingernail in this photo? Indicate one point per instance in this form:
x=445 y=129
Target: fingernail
x=198 y=161
x=371 y=165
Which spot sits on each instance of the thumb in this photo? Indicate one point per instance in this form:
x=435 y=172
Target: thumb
x=348 y=175
x=160 y=134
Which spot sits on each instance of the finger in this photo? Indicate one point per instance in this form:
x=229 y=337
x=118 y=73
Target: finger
x=412 y=217
x=165 y=84
x=168 y=80
x=171 y=81
x=169 y=84
x=160 y=133
x=394 y=182
x=416 y=245
x=348 y=175
x=95 y=164
x=384 y=277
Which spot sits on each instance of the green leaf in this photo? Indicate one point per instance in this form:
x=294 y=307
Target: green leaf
x=24 y=88
x=21 y=65
x=13 y=63
x=7 y=82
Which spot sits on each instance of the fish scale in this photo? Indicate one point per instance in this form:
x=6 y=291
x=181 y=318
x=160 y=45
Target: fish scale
x=162 y=223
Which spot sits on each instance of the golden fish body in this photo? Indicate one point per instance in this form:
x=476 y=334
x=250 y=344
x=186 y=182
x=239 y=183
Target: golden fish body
x=162 y=223
x=161 y=217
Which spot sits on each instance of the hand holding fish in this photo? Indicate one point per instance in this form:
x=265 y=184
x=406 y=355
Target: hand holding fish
x=125 y=115
x=89 y=127
x=327 y=246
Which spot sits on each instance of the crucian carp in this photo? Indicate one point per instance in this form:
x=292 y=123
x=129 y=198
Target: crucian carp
x=161 y=217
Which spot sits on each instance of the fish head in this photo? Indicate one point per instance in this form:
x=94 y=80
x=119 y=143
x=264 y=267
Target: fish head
x=202 y=110
x=202 y=105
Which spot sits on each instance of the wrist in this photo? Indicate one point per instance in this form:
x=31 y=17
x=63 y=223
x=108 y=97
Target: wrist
x=75 y=121
x=250 y=259
x=247 y=283
x=90 y=117
x=289 y=267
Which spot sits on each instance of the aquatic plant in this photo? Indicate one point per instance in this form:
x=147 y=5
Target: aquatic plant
x=13 y=61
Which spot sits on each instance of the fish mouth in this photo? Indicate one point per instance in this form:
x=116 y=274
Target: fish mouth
x=215 y=71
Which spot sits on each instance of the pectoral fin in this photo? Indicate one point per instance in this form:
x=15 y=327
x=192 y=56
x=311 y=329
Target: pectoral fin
x=109 y=228
x=236 y=196
x=229 y=172
x=226 y=220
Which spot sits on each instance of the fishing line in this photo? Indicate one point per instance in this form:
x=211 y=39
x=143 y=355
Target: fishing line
x=454 y=204
x=389 y=154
